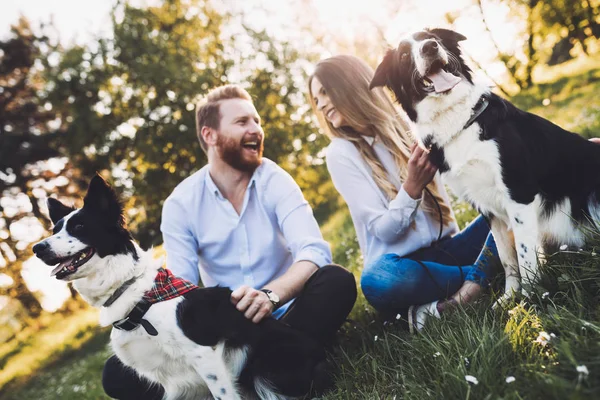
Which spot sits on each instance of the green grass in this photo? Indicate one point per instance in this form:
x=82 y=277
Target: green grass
x=477 y=341
x=37 y=347
x=379 y=359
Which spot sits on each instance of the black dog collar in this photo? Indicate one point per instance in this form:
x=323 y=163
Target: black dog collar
x=113 y=297
x=479 y=108
x=134 y=319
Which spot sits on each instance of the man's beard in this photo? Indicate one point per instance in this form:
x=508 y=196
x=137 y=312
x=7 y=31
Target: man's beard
x=232 y=152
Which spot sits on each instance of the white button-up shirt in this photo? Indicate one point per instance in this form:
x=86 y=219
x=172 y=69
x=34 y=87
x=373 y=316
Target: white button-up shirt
x=382 y=226
x=205 y=238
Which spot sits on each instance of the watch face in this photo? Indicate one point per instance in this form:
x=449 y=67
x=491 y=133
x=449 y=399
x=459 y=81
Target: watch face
x=274 y=298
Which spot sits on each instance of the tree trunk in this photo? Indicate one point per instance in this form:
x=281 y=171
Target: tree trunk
x=20 y=292
x=530 y=48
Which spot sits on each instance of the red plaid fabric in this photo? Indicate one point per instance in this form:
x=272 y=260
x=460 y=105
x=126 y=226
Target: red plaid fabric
x=167 y=286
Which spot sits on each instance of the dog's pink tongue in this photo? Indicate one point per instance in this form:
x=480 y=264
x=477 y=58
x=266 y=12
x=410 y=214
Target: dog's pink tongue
x=59 y=267
x=443 y=81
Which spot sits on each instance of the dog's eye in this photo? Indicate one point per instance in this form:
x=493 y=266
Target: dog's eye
x=77 y=228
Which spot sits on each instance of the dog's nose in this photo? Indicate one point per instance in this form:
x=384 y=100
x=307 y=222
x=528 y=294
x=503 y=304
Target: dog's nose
x=40 y=248
x=430 y=48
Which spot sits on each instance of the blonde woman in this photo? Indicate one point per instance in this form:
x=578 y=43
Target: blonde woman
x=415 y=258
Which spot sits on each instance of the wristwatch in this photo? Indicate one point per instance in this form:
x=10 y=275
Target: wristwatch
x=272 y=297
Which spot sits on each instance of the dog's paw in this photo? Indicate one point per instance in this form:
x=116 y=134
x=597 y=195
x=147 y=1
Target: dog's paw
x=525 y=293
x=503 y=301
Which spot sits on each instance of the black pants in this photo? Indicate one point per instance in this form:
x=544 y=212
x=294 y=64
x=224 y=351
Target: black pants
x=319 y=310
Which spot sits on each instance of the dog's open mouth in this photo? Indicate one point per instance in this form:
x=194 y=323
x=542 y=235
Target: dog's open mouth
x=69 y=265
x=438 y=79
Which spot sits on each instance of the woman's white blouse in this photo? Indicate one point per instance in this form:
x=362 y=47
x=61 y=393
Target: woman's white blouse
x=382 y=226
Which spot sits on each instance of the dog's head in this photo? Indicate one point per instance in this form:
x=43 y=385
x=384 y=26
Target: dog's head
x=83 y=238
x=425 y=63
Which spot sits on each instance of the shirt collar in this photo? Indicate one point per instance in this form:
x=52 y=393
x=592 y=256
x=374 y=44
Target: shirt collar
x=212 y=186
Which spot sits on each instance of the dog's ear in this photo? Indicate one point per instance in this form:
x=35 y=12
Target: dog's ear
x=447 y=34
x=383 y=69
x=57 y=210
x=100 y=197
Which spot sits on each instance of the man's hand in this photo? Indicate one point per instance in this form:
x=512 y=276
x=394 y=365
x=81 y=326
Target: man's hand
x=420 y=172
x=253 y=303
x=595 y=140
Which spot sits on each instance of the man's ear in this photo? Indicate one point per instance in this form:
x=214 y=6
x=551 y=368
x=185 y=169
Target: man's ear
x=57 y=210
x=209 y=135
x=383 y=69
x=447 y=34
x=100 y=197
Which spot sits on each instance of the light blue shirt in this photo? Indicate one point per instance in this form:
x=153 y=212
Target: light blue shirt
x=205 y=238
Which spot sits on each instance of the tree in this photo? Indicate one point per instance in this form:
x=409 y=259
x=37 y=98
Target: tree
x=131 y=100
x=29 y=138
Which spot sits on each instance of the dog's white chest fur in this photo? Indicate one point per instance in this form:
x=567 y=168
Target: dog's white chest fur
x=475 y=173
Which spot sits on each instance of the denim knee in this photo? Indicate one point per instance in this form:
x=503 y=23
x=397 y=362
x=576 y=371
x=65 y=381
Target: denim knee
x=387 y=283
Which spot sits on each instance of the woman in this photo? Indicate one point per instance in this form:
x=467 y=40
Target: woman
x=415 y=257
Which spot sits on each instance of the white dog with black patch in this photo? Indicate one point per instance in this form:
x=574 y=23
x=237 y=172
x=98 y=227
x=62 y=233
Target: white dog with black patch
x=192 y=341
x=537 y=184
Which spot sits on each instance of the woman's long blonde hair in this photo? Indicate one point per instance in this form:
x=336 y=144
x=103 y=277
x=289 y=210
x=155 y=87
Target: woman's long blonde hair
x=346 y=81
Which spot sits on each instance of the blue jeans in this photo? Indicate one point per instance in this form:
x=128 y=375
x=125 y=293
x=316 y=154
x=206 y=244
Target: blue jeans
x=433 y=273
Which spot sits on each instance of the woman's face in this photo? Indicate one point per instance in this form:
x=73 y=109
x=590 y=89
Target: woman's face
x=325 y=105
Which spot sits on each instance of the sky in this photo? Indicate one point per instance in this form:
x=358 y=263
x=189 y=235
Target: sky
x=80 y=21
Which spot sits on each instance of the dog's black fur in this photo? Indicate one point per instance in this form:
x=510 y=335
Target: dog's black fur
x=282 y=355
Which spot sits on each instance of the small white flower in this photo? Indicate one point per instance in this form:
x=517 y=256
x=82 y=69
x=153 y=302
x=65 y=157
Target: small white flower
x=543 y=338
x=376 y=338
x=510 y=379
x=582 y=369
x=437 y=354
x=471 y=379
x=553 y=336
x=467 y=362
x=593 y=254
x=546 y=102
x=398 y=316
x=563 y=247
x=545 y=295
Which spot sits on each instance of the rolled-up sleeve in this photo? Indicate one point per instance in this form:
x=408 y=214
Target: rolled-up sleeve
x=297 y=222
x=388 y=222
x=179 y=242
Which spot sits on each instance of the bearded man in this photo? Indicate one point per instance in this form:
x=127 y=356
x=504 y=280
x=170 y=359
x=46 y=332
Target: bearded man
x=242 y=222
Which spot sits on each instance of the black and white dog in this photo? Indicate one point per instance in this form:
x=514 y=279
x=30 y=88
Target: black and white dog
x=197 y=345
x=538 y=184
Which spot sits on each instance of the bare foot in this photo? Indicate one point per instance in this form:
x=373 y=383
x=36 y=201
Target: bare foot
x=468 y=292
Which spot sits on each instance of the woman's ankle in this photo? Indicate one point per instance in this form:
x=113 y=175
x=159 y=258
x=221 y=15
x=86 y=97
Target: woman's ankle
x=468 y=292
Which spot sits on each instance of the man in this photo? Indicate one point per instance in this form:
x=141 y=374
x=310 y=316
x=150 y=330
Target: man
x=242 y=222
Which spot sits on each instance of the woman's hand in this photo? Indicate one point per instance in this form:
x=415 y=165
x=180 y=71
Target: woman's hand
x=595 y=140
x=420 y=172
